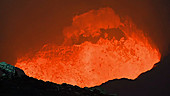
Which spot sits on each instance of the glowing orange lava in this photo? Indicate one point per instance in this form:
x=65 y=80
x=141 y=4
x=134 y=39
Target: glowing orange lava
x=98 y=46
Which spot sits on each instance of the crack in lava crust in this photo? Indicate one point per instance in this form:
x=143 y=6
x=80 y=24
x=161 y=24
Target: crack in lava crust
x=84 y=62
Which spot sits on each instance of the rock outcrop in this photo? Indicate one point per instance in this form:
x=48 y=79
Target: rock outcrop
x=14 y=82
x=151 y=83
x=9 y=71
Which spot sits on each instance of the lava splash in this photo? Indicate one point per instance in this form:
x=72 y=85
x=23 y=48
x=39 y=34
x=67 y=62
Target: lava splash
x=98 y=46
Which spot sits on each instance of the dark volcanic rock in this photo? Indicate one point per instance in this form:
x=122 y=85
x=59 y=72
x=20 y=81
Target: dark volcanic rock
x=155 y=82
x=19 y=72
x=9 y=71
x=27 y=86
x=18 y=84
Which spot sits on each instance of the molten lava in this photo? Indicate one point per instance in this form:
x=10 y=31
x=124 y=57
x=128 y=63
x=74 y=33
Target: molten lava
x=98 y=46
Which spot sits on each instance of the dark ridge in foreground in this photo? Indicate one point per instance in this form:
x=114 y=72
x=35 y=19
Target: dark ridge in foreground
x=14 y=82
x=155 y=82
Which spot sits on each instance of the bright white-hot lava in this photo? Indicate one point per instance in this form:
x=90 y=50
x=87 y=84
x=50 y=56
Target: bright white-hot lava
x=98 y=46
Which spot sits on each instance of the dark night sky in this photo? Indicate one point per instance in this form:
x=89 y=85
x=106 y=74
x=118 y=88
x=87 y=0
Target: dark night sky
x=28 y=24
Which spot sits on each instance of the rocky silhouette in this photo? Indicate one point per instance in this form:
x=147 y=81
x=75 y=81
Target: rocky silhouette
x=14 y=82
x=151 y=83
x=155 y=82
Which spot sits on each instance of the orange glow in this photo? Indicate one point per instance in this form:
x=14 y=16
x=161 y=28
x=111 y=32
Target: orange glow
x=98 y=46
